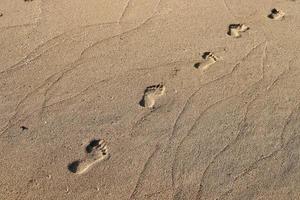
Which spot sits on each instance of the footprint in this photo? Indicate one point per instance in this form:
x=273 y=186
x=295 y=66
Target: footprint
x=236 y=29
x=96 y=151
x=276 y=14
x=151 y=94
x=209 y=59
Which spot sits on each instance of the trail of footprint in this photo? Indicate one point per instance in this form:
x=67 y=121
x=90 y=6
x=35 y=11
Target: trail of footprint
x=276 y=14
x=209 y=59
x=151 y=94
x=96 y=151
x=235 y=30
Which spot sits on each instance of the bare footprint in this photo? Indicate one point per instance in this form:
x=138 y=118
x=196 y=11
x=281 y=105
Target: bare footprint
x=96 y=151
x=209 y=59
x=236 y=29
x=276 y=14
x=151 y=94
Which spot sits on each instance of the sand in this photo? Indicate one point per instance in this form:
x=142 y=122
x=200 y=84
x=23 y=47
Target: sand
x=150 y=99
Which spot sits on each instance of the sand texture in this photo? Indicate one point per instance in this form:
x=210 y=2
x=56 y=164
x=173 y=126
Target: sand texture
x=150 y=99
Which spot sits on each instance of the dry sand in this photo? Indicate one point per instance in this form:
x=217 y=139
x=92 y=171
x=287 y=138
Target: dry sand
x=150 y=99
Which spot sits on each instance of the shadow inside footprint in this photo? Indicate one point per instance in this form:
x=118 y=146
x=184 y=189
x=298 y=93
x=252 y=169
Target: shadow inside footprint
x=231 y=26
x=197 y=65
x=276 y=14
x=74 y=166
x=205 y=55
x=274 y=11
x=94 y=143
x=142 y=102
x=236 y=29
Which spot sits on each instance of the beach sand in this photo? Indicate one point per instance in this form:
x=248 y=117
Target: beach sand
x=150 y=99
